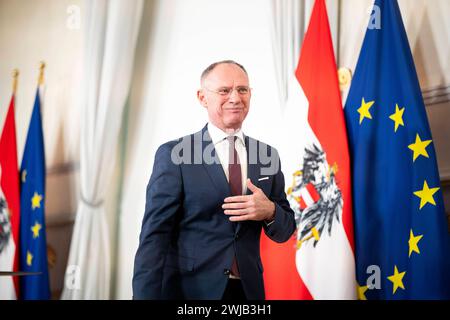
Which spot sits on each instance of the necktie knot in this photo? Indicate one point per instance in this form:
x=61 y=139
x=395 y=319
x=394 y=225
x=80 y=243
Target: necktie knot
x=233 y=157
x=231 y=139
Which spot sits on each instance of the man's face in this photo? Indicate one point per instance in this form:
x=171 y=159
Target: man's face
x=226 y=111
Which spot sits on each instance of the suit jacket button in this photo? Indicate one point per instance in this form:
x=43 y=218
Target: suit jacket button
x=226 y=272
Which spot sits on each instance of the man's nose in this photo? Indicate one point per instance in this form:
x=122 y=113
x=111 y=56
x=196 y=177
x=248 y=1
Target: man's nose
x=234 y=97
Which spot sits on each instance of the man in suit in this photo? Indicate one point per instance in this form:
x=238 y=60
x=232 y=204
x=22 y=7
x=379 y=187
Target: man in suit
x=209 y=196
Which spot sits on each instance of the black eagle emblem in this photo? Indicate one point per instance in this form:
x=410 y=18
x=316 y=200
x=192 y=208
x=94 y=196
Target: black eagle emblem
x=315 y=196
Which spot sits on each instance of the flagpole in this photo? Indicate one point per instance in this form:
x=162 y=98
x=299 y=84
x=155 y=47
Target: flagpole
x=15 y=78
x=41 y=73
x=41 y=87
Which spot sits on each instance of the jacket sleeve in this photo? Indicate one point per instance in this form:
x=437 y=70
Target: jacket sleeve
x=163 y=201
x=283 y=226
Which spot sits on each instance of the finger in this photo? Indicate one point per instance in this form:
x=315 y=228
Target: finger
x=242 y=218
x=236 y=205
x=236 y=212
x=237 y=198
x=251 y=186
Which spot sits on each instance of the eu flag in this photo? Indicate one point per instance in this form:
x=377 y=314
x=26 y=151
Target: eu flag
x=401 y=234
x=33 y=244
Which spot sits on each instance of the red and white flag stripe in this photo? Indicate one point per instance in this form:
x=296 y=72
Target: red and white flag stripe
x=9 y=185
x=323 y=269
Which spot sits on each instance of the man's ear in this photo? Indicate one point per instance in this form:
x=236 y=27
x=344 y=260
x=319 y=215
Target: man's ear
x=202 y=98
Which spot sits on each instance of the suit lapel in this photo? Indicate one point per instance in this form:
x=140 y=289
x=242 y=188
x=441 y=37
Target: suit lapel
x=253 y=169
x=214 y=170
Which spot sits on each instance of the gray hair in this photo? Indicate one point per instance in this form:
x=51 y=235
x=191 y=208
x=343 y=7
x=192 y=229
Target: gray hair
x=211 y=67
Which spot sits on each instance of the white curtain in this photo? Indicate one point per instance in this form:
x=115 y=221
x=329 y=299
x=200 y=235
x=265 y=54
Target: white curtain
x=111 y=28
x=288 y=27
x=289 y=22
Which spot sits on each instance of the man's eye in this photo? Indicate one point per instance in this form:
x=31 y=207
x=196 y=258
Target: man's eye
x=242 y=90
x=224 y=91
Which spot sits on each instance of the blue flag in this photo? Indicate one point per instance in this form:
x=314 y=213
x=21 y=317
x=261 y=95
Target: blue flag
x=401 y=233
x=33 y=244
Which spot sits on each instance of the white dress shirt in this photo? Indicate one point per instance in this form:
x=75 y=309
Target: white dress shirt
x=221 y=144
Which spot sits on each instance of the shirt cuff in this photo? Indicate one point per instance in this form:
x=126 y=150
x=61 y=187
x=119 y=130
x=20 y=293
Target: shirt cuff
x=268 y=223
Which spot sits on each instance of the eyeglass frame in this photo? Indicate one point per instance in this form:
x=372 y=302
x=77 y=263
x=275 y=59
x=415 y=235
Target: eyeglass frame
x=231 y=90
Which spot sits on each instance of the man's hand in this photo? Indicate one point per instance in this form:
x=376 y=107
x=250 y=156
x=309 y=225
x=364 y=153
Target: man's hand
x=250 y=207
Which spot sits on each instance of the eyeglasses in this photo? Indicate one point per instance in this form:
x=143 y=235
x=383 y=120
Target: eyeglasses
x=226 y=91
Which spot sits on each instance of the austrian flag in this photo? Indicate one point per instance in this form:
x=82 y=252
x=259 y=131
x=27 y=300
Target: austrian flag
x=319 y=262
x=9 y=206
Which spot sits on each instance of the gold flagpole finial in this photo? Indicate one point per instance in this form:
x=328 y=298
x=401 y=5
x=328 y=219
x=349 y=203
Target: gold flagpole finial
x=15 y=77
x=41 y=73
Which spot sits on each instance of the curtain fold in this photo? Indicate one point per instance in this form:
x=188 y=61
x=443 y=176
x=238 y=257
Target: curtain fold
x=111 y=30
x=288 y=26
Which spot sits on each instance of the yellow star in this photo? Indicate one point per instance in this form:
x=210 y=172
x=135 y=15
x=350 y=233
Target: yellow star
x=364 y=110
x=24 y=176
x=36 y=201
x=29 y=258
x=362 y=292
x=426 y=195
x=36 y=228
x=419 y=147
x=413 y=241
x=397 y=117
x=396 y=279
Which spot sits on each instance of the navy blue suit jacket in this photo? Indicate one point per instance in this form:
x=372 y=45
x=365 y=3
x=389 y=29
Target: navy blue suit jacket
x=187 y=243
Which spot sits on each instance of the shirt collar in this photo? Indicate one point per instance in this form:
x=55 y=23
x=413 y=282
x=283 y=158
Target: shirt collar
x=217 y=135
